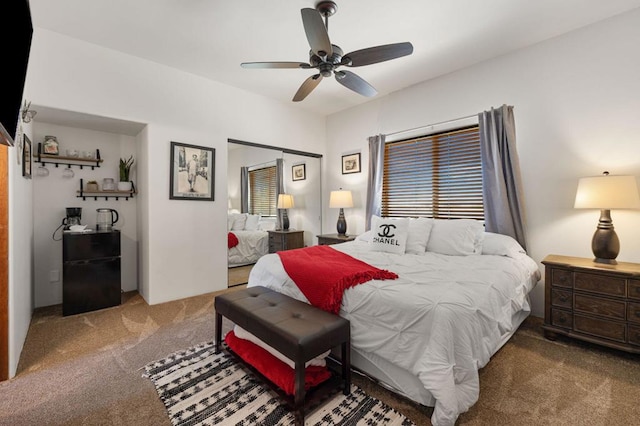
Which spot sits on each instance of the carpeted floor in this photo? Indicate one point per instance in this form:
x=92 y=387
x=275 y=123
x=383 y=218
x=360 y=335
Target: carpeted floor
x=86 y=370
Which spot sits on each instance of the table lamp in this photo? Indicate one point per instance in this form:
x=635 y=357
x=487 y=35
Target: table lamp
x=605 y=193
x=341 y=199
x=285 y=201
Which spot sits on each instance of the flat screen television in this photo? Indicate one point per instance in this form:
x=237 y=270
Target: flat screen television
x=15 y=48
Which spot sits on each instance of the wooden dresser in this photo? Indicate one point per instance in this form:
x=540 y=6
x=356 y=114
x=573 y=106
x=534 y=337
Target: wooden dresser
x=594 y=302
x=285 y=240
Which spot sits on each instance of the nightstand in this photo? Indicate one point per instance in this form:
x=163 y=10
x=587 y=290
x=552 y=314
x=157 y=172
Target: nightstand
x=328 y=239
x=285 y=240
x=595 y=302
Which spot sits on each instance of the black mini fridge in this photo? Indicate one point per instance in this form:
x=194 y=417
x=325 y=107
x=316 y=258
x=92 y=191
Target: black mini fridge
x=90 y=271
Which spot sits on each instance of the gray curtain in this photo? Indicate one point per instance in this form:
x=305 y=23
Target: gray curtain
x=279 y=188
x=244 y=189
x=374 y=179
x=501 y=181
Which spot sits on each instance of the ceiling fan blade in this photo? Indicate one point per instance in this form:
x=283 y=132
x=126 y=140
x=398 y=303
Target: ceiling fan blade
x=355 y=83
x=373 y=55
x=316 y=32
x=307 y=87
x=275 y=65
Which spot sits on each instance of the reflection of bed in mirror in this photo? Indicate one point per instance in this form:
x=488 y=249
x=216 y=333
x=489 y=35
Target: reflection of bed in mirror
x=248 y=238
x=307 y=214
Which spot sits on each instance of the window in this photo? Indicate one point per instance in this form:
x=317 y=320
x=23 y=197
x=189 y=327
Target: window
x=437 y=176
x=262 y=191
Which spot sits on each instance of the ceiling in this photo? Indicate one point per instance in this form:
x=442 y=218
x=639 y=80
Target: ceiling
x=210 y=38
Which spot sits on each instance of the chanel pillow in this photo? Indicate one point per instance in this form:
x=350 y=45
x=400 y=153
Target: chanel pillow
x=389 y=234
x=456 y=237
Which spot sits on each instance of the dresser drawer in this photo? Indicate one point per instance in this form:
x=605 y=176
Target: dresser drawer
x=561 y=278
x=602 y=284
x=634 y=335
x=634 y=289
x=561 y=318
x=633 y=312
x=600 y=327
x=562 y=298
x=599 y=306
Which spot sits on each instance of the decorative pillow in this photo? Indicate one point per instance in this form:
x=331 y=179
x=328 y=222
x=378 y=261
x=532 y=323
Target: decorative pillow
x=419 y=231
x=456 y=237
x=266 y=225
x=501 y=245
x=389 y=234
x=239 y=222
x=252 y=222
x=365 y=237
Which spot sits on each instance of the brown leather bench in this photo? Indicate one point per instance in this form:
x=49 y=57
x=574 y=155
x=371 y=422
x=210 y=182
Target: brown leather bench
x=296 y=329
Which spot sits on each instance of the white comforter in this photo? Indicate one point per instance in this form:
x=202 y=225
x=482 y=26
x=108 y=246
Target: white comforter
x=442 y=319
x=252 y=245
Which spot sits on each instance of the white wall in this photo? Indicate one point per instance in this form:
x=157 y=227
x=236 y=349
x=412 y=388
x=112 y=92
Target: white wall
x=53 y=193
x=576 y=107
x=20 y=255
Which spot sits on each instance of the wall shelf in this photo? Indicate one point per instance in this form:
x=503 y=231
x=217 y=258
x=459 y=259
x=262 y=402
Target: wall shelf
x=69 y=161
x=105 y=194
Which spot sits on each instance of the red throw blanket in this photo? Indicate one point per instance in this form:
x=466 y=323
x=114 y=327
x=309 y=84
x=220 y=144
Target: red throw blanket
x=323 y=274
x=272 y=368
x=233 y=240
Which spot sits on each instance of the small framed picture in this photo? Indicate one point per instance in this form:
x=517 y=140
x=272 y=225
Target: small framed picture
x=26 y=157
x=298 y=172
x=351 y=163
x=192 y=172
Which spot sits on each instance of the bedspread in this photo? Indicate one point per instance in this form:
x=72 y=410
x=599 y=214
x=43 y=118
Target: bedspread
x=442 y=319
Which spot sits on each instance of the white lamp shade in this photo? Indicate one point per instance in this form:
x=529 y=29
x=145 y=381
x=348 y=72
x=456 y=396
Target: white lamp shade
x=285 y=201
x=340 y=199
x=607 y=192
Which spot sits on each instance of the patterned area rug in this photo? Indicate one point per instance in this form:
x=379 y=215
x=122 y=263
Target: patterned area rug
x=199 y=387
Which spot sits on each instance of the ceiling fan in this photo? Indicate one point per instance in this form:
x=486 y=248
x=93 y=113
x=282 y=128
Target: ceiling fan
x=327 y=57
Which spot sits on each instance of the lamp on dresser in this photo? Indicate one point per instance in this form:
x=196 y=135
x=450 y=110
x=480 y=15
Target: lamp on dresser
x=341 y=199
x=605 y=193
x=285 y=201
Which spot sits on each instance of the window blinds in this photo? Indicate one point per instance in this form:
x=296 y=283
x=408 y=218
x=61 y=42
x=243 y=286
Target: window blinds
x=437 y=176
x=262 y=191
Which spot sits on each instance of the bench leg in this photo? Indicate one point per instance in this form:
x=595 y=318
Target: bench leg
x=218 y=332
x=299 y=393
x=346 y=367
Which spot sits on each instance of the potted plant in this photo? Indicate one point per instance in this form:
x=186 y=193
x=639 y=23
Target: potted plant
x=92 y=186
x=125 y=169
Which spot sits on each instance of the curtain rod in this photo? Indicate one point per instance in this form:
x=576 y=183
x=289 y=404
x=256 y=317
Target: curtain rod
x=431 y=125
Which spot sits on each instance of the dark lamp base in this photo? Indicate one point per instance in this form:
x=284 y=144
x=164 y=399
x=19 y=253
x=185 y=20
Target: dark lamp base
x=605 y=243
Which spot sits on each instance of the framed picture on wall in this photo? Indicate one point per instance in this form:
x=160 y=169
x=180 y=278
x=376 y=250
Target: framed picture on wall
x=192 y=172
x=26 y=157
x=298 y=172
x=351 y=163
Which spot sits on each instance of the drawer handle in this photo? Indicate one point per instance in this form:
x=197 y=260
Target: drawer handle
x=562 y=320
x=635 y=291
x=636 y=313
x=563 y=297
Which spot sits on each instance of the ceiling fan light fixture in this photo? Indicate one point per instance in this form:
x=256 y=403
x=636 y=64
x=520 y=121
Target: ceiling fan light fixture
x=327 y=57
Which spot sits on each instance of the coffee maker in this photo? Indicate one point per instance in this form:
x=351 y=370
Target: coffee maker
x=74 y=214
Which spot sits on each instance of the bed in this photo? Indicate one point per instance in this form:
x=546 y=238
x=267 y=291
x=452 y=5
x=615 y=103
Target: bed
x=248 y=238
x=460 y=295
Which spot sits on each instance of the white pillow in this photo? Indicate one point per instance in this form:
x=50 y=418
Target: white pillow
x=365 y=236
x=252 y=222
x=265 y=225
x=239 y=221
x=501 y=245
x=230 y=220
x=456 y=237
x=419 y=231
x=389 y=234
